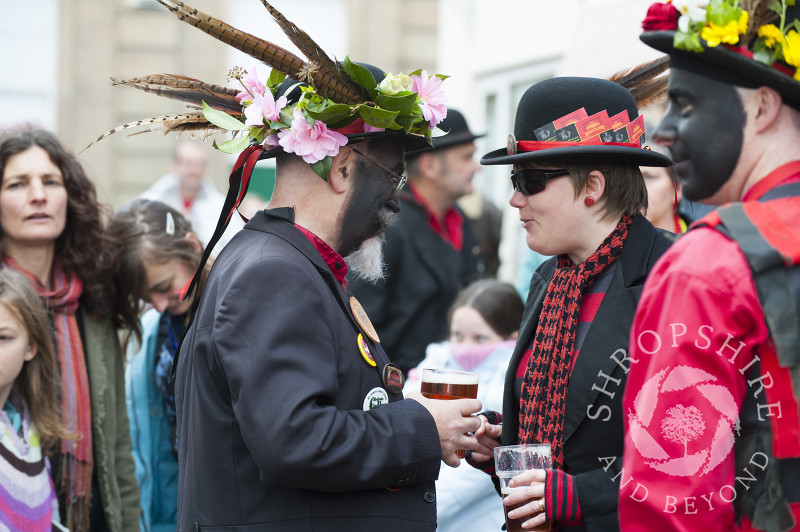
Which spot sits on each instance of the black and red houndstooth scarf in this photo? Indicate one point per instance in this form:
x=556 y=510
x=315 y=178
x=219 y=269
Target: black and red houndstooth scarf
x=544 y=387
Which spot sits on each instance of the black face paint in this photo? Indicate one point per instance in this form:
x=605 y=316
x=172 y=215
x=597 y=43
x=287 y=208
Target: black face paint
x=704 y=130
x=371 y=192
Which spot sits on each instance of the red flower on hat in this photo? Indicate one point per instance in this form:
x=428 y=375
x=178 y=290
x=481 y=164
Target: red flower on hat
x=661 y=17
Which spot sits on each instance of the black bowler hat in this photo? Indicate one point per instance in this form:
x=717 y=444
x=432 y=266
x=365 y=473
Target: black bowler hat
x=732 y=64
x=550 y=100
x=457 y=132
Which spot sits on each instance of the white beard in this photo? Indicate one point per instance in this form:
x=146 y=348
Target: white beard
x=367 y=261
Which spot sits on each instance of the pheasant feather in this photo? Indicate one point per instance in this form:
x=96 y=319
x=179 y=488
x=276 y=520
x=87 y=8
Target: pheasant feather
x=265 y=51
x=311 y=49
x=168 y=123
x=646 y=82
x=760 y=13
x=186 y=89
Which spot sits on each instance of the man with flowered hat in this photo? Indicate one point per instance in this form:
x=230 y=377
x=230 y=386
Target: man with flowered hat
x=713 y=429
x=431 y=251
x=291 y=416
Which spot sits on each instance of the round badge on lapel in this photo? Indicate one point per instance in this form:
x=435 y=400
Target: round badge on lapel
x=376 y=397
x=392 y=378
x=365 y=352
x=363 y=320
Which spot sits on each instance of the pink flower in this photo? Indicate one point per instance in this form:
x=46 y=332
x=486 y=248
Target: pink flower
x=252 y=84
x=431 y=97
x=271 y=141
x=372 y=129
x=263 y=107
x=312 y=143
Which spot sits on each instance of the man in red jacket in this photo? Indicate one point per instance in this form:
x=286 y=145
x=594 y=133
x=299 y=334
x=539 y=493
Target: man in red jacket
x=712 y=440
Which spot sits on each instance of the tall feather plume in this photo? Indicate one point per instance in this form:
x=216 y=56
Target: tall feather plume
x=168 y=123
x=311 y=49
x=759 y=14
x=647 y=82
x=265 y=51
x=186 y=89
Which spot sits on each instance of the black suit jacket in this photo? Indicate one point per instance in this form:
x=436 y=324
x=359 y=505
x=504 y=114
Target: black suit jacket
x=593 y=422
x=423 y=276
x=270 y=390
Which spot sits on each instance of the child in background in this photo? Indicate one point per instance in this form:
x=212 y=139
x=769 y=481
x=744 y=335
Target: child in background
x=158 y=255
x=30 y=424
x=484 y=322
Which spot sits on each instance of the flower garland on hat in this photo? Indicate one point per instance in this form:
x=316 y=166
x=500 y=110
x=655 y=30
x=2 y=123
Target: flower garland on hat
x=413 y=103
x=335 y=99
x=717 y=22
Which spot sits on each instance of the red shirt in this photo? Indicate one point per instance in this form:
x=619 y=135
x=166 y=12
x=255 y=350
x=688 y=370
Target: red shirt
x=452 y=231
x=698 y=329
x=334 y=261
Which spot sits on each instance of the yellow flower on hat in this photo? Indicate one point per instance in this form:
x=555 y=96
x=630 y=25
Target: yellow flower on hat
x=728 y=33
x=772 y=34
x=791 y=51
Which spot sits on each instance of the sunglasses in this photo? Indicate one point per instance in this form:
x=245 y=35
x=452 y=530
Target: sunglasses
x=532 y=181
x=398 y=180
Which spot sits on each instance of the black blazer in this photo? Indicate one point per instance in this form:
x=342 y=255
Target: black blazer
x=593 y=422
x=423 y=276
x=270 y=391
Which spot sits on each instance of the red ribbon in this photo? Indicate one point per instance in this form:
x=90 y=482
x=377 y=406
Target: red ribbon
x=743 y=50
x=535 y=145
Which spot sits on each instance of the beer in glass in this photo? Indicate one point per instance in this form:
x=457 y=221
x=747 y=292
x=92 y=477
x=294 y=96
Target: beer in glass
x=449 y=384
x=512 y=460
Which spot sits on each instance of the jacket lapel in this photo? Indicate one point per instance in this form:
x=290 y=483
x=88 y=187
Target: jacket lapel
x=610 y=330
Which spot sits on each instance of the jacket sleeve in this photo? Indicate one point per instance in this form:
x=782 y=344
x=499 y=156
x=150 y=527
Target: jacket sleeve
x=280 y=362
x=124 y=466
x=696 y=330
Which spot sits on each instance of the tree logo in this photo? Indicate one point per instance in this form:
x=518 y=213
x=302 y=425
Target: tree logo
x=701 y=444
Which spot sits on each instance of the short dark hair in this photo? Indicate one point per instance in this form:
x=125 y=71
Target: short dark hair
x=625 y=191
x=497 y=302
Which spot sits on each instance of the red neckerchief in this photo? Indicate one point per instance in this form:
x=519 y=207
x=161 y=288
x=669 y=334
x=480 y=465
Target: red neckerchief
x=788 y=173
x=334 y=261
x=453 y=230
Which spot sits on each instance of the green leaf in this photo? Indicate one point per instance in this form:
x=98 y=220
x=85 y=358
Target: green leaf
x=776 y=6
x=276 y=77
x=327 y=111
x=687 y=41
x=417 y=72
x=221 y=119
x=406 y=122
x=359 y=74
x=323 y=167
x=403 y=102
x=234 y=145
x=763 y=56
x=377 y=117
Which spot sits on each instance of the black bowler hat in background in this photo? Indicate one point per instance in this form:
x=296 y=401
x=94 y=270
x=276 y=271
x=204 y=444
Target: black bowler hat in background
x=457 y=133
x=723 y=64
x=552 y=99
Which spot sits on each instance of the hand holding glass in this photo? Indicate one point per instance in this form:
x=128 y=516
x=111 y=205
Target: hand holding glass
x=513 y=460
x=449 y=384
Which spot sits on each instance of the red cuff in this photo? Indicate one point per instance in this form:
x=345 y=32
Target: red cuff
x=561 y=497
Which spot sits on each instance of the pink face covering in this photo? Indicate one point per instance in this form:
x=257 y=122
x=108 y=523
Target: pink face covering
x=470 y=355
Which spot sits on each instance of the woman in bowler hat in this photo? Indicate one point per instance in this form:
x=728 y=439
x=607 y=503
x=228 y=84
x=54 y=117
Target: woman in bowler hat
x=581 y=202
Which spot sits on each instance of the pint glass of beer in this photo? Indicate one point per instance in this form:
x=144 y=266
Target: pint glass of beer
x=449 y=384
x=510 y=461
